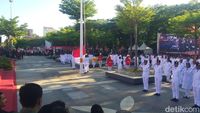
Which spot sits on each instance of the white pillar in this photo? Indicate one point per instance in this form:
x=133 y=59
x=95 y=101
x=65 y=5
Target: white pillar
x=81 y=36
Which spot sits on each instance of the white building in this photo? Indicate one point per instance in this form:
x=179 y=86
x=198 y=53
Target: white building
x=47 y=30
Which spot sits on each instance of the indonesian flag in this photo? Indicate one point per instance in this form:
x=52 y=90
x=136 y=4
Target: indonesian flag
x=76 y=54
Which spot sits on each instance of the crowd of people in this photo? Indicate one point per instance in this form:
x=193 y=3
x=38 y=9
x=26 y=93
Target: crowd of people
x=30 y=97
x=180 y=72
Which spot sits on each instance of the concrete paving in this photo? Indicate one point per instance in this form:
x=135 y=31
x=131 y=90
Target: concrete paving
x=80 y=92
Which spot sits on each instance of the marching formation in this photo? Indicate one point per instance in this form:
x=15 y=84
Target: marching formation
x=180 y=72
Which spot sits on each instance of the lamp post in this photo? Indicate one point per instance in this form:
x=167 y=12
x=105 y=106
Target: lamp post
x=81 y=36
x=11 y=1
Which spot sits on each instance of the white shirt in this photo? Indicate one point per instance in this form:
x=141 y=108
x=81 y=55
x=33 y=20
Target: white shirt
x=158 y=71
x=187 y=78
x=175 y=75
x=196 y=79
x=145 y=70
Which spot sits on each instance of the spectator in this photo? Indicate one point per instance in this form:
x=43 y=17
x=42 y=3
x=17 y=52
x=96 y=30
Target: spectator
x=2 y=102
x=55 y=107
x=30 y=98
x=96 y=109
x=59 y=110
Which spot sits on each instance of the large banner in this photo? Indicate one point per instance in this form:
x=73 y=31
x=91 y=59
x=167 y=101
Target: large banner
x=171 y=43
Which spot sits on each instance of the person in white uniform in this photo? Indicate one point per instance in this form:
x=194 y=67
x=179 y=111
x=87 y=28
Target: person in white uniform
x=86 y=63
x=187 y=80
x=73 y=62
x=196 y=86
x=158 y=77
x=119 y=63
x=145 y=75
x=181 y=67
x=153 y=62
x=175 y=82
x=167 y=69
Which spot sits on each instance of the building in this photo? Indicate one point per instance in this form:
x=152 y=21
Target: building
x=47 y=30
x=30 y=33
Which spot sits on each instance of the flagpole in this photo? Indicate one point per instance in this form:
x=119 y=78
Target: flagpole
x=81 y=36
x=11 y=1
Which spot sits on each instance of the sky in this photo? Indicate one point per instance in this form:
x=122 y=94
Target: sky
x=45 y=13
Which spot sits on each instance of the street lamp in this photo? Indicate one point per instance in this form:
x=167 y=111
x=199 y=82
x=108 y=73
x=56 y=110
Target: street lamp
x=81 y=36
x=11 y=1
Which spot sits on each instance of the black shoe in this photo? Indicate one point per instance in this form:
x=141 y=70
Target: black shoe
x=145 y=90
x=186 y=97
x=157 y=94
x=176 y=100
x=195 y=106
x=173 y=99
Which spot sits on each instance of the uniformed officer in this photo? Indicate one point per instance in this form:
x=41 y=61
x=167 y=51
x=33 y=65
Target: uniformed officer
x=187 y=79
x=145 y=75
x=175 y=82
x=158 y=77
x=196 y=86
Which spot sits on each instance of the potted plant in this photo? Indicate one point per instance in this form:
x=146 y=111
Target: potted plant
x=5 y=63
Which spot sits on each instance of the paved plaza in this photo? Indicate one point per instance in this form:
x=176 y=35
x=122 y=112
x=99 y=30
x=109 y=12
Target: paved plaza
x=80 y=92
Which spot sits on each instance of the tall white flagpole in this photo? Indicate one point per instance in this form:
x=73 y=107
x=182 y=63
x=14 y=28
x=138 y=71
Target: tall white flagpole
x=11 y=1
x=81 y=36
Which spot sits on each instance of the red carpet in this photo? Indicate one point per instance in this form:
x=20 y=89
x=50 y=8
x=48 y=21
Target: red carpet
x=8 y=87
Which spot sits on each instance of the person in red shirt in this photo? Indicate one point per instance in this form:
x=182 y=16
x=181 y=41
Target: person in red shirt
x=100 y=58
x=109 y=63
x=128 y=61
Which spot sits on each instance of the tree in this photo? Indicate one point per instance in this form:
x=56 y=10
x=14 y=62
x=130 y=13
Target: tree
x=162 y=15
x=188 y=23
x=72 y=8
x=131 y=18
x=11 y=28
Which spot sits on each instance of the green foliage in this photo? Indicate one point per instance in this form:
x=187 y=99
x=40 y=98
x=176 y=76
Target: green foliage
x=11 y=28
x=188 y=23
x=64 y=37
x=160 y=23
x=118 y=32
x=5 y=63
x=72 y=8
x=131 y=14
x=29 y=42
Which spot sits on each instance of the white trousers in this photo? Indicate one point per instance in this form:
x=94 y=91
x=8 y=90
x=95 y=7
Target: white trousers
x=196 y=92
x=109 y=68
x=93 y=64
x=127 y=66
x=73 y=65
x=158 y=84
x=168 y=77
x=146 y=82
x=100 y=64
x=187 y=92
x=175 y=90
x=181 y=78
x=86 y=67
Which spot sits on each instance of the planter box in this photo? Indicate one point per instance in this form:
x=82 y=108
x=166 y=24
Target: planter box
x=8 y=77
x=135 y=80
x=8 y=87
